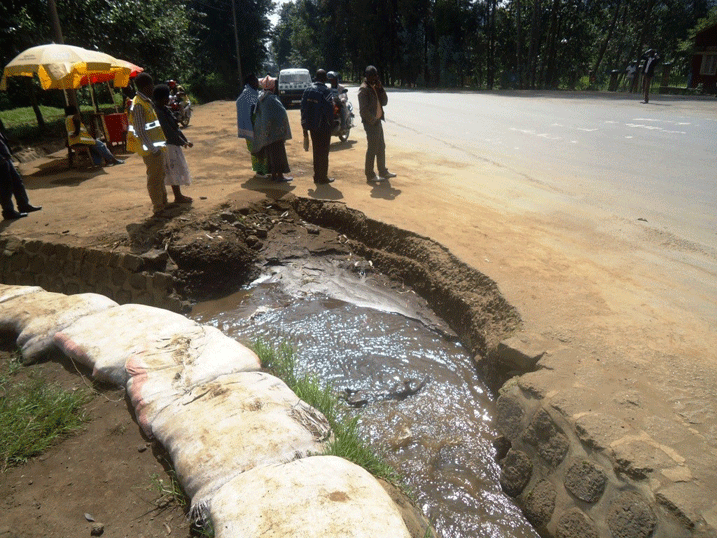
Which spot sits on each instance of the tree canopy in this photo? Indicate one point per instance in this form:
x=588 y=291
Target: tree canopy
x=477 y=43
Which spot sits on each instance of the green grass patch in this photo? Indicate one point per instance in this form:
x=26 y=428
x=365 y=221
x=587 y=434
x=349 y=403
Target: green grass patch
x=34 y=415
x=347 y=443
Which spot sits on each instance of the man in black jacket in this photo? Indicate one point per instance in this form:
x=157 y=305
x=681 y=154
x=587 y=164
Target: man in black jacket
x=648 y=71
x=372 y=98
x=317 y=113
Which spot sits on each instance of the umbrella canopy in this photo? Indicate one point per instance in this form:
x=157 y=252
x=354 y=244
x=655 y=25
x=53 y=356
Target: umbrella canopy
x=60 y=66
x=119 y=76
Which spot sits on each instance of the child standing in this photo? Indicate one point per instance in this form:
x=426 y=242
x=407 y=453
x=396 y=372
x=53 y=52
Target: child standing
x=176 y=171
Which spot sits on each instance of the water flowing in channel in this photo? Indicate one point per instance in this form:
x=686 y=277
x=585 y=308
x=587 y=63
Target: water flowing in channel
x=425 y=408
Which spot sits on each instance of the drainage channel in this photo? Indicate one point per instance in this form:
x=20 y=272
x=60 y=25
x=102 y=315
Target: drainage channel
x=401 y=370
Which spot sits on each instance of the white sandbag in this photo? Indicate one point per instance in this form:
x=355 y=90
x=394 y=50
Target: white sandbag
x=8 y=291
x=317 y=497
x=38 y=315
x=157 y=376
x=104 y=341
x=235 y=423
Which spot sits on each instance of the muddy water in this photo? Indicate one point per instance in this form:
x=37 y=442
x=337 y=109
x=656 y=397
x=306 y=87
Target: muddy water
x=378 y=346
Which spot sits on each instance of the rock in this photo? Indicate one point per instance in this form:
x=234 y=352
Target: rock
x=510 y=416
x=681 y=500
x=228 y=216
x=501 y=445
x=551 y=443
x=404 y=389
x=638 y=458
x=586 y=481
x=155 y=259
x=520 y=352
x=98 y=529
x=357 y=398
x=575 y=524
x=630 y=516
x=540 y=503
x=516 y=470
x=599 y=430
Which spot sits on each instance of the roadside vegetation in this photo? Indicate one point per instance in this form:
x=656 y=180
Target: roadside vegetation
x=347 y=444
x=34 y=414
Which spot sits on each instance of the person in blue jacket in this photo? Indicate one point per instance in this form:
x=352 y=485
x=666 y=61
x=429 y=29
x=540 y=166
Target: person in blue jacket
x=317 y=115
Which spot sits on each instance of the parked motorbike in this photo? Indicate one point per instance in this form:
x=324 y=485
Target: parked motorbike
x=181 y=107
x=343 y=116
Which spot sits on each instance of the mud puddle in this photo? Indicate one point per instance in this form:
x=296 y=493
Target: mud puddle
x=414 y=387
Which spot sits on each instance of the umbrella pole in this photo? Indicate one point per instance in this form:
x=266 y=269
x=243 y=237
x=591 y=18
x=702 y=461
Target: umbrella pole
x=112 y=94
x=92 y=97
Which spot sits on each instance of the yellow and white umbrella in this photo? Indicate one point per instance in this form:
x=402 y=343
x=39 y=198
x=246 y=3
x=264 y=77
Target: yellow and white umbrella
x=61 y=66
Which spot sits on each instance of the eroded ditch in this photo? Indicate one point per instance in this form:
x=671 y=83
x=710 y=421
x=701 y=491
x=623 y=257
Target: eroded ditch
x=554 y=458
x=175 y=262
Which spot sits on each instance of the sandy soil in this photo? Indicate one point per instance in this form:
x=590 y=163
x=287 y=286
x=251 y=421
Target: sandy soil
x=635 y=298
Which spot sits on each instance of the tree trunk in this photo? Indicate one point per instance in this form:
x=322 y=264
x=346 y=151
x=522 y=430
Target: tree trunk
x=552 y=44
x=606 y=41
x=519 y=44
x=33 y=102
x=534 y=43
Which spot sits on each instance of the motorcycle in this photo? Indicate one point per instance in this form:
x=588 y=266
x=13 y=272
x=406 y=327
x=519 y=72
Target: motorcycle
x=343 y=116
x=181 y=107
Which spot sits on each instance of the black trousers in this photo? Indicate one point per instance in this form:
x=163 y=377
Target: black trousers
x=11 y=184
x=376 y=149
x=320 y=141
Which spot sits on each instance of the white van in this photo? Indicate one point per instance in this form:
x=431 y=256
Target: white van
x=292 y=83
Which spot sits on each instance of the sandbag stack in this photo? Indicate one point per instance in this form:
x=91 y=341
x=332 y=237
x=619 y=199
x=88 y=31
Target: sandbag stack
x=245 y=448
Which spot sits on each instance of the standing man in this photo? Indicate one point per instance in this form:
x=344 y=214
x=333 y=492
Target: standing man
x=372 y=98
x=145 y=137
x=648 y=71
x=246 y=105
x=11 y=184
x=317 y=113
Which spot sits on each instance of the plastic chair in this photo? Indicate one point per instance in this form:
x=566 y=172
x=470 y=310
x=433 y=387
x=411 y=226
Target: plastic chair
x=115 y=126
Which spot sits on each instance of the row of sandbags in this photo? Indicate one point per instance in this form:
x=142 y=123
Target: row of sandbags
x=245 y=448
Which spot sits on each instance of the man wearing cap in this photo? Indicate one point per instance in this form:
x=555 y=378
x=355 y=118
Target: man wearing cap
x=372 y=98
x=317 y=113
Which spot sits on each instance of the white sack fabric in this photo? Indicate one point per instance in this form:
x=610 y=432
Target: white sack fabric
x=316 y=497
x=38 y=315
x=161 y=374
x=104 y=341
x=8 y=292
x=235 y=423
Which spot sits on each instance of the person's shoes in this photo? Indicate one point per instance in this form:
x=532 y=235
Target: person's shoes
x=7 y=215
x=374 y=179
x=387 y=175
x=325 y=182
x=30 y=208
x=261 y=176
x=183 y=200
x=118 y=161
x=282 y=179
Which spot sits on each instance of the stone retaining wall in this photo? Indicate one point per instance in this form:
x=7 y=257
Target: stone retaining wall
x=588 y=461
x=123 y=277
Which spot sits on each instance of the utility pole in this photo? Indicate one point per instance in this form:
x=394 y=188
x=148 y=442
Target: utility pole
x=236 y=40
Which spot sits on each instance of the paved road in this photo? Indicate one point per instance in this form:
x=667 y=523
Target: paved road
x=654 y=161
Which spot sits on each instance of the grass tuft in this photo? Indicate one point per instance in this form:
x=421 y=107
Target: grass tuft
x=34 y=415
x=347 y=443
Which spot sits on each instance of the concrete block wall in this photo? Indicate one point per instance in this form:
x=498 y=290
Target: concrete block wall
x=121 y=276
